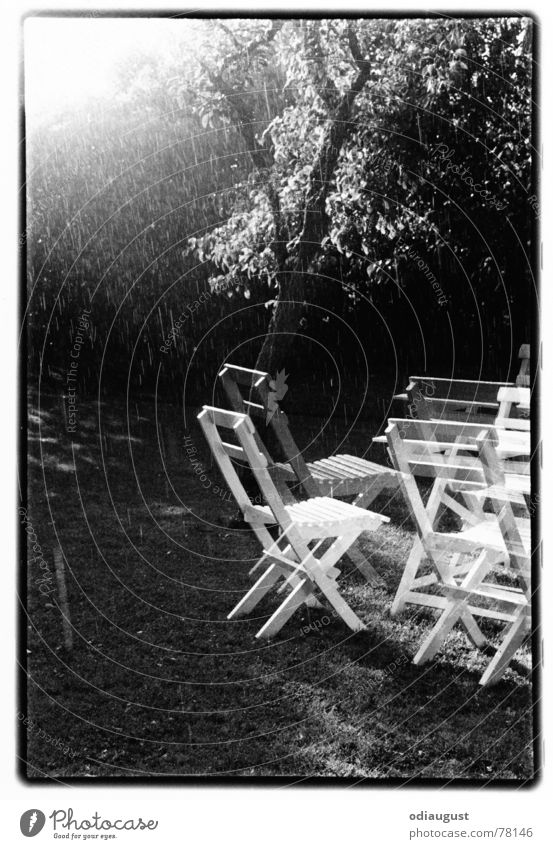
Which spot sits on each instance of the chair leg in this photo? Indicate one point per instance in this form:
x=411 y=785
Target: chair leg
x=318 y=572
x=472 y=629
x=367 y=497
x=286 y=552
x=409 y=583
x=294 y=577
x=315 y=574
x=325 y=562
x=319 y=575
x=342 y=608
x=332 y=555
x=282 y=614
x=360 y=562
x=474 y=504
x=509 y=645
x=290 y=578
x=408 y=577
x=454 y=610
x=257 y=592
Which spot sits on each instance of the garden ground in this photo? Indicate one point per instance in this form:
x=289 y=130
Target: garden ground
x=159 y=684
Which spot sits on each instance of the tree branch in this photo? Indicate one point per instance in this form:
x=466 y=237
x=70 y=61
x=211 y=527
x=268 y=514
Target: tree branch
x=251 y=48
x=326 y=88
x=337 y=133
x=355 y=48
x=237 y=99
x=230 y=34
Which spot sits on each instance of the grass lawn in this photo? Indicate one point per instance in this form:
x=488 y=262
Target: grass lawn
x=159 y=683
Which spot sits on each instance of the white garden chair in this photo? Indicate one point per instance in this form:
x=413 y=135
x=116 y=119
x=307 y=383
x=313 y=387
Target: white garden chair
x=312 y=537
x=517 y=544
x=339 y=476
x=443 y=439
x=460 y=561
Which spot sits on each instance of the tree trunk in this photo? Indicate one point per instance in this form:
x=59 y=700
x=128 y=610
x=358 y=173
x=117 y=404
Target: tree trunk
x=285 y=321
x=295 y=283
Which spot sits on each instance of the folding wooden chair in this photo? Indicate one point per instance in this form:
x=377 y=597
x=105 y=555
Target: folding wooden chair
x=312 y=536
x=442 y=443
x=460 y=560
x=338 y=476
x=518 y=547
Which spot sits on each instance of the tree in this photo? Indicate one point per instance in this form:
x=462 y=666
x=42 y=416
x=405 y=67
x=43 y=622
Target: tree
x=344 y=122
x=451 y=189
x=281 y=219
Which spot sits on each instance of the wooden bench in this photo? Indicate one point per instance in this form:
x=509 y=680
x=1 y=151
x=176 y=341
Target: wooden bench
x=460 y=400
x=453 y=400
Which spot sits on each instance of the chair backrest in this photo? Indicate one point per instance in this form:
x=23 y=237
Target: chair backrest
x=232 y=377
x=243 y=447
x=523 y=376
x=457 y=400
x=445 y=452
x=439 y=448
x=509 y=409
x=262 y=404
x=467 y=400
x=448 y=453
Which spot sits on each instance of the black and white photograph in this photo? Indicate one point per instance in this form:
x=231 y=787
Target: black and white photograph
x=279 y=490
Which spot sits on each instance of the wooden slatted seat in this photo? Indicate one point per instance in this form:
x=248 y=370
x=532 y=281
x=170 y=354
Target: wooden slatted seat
x=339 y=476
x=327 y=512
x=462 y=560
x=313 y=534
x=488 y=532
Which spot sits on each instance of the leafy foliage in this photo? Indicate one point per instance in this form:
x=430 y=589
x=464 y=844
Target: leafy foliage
x=284 y=159
x=436 y=162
